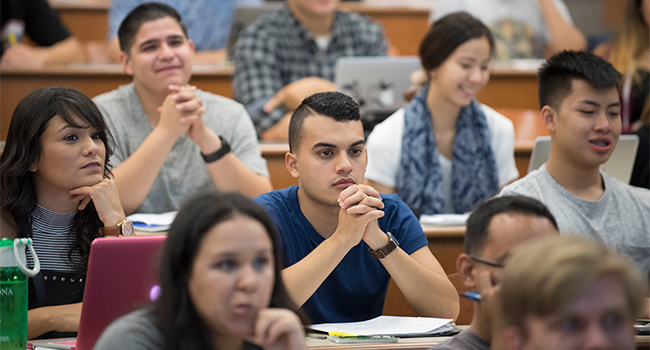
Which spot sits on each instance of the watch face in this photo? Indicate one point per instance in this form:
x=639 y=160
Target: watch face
x=127 y=228
x=393 y=238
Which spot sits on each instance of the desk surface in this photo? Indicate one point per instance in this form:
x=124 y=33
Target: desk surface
x=405 y=343
x=507 y=87
x=99 y=69
x=642 y=343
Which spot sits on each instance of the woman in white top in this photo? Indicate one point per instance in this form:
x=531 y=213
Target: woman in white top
x=445 y=152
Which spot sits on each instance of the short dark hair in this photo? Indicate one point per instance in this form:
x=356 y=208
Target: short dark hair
x=477 y=224
x=335 y=105
x=147 y=12
x=449 y=32
x=557 y=73
x=173 y=312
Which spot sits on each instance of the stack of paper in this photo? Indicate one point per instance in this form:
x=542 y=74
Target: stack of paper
x=444 y=220
x=398 y=326
x=152 y=223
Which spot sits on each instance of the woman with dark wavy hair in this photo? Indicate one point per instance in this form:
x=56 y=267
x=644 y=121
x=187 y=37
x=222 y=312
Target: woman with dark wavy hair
x=221 y=285
x=55 y=188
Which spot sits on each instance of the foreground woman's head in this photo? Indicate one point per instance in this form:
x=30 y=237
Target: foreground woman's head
x=219 y=268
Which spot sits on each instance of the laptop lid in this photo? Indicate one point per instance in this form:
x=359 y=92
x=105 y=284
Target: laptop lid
x=122 y=276
x=245 y=15
x=619 y=164
x=377 y=84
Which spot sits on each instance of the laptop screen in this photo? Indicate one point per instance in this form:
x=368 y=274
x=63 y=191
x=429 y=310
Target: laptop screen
x=122 y=277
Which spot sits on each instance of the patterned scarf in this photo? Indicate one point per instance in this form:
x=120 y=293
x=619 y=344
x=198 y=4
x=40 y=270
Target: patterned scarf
x=474 y=171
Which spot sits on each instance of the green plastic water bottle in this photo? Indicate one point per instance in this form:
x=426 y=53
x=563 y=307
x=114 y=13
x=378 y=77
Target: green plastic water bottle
x=13 y=292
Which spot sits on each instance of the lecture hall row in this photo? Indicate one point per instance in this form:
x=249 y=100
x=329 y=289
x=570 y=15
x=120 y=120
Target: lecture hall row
x=512 y=91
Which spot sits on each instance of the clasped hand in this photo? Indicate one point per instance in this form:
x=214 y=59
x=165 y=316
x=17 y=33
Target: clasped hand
x=360 y=208
x=181 y=113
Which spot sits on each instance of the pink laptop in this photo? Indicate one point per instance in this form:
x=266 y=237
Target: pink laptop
x=122 y=277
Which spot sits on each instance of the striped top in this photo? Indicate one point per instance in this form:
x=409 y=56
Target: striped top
x=52 y=238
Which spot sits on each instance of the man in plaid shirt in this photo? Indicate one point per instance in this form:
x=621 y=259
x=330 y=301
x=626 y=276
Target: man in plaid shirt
x=290 y=54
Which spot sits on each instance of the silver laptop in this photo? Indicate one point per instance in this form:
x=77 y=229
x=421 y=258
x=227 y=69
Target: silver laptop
x=377 y=84
x=619 y=165
x=245 y=15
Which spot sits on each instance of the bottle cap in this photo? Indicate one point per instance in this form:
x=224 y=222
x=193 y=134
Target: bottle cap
x=7 y=258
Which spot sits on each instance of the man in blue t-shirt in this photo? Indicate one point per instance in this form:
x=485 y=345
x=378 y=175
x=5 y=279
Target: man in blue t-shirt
x=343 y=241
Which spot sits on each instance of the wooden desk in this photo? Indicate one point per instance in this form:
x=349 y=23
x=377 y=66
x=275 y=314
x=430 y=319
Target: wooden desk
x=511 y=88
x=641 y=342
x=91 y=79
x=507 y=88
x=405 y=26
x=274 y=153
x=406 y=343
x=528 y=125
x=446 y=243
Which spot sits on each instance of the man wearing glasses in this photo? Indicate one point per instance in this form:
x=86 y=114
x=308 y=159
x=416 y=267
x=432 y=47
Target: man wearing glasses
x=493 y=230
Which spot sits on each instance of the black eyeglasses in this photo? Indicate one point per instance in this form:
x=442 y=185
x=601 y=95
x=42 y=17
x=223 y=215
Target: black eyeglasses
x=485 y=261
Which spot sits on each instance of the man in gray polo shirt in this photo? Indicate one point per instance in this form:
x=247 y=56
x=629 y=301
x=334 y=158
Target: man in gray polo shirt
x=173 y=140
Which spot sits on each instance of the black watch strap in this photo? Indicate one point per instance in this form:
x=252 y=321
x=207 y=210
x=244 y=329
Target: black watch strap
x=218 y=154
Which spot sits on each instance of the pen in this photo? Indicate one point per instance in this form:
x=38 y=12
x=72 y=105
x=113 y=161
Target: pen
x=473 y=296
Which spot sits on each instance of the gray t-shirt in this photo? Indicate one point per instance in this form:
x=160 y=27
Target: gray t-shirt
x=620 y=218
x=184 y=172
x=465 y=340
x=136 y=331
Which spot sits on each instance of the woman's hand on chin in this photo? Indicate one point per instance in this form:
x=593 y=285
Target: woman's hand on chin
x=279 y=329
x=106 y=199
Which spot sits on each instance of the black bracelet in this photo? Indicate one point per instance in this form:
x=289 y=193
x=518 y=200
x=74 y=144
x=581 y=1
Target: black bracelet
x=218 y=154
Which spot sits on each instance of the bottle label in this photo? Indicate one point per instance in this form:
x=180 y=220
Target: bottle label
x=13 y=310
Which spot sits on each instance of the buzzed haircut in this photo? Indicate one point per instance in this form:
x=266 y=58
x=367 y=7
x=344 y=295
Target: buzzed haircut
x=147 y=12
x=476 y=232
x=335 y=105
x=557 y=73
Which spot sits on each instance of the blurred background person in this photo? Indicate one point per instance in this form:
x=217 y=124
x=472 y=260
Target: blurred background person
x=629 y=53
x=208 y=24
x=521 y=28
x=35 y=19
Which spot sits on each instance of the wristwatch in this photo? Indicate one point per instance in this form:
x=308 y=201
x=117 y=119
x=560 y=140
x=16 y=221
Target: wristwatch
x=124 y=229
x=385 y=250
x=218 y=154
